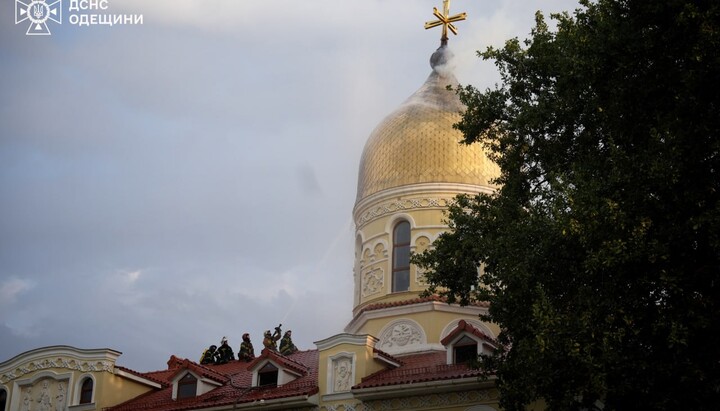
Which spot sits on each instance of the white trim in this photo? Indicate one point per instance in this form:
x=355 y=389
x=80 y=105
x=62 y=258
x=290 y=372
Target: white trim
x=19 y=384
x=285 y=375
x=136 y=378
x=360 y=320
x=394 y=220
x=330 y=389
x=391 y=391
x=421 y=346
x=450 y=349
x=380 y=234
x=78 y=389
x=386 y=360
x=55 y=351
x=371 y=247
x=365 y=340
x=475 y=323
x=427 y=234
x=450 y=189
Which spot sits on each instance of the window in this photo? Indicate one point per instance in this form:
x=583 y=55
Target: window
x=187 y=386
x=268 y=375
x=465 y=350
x=401 y=257
x=86 y=391
x=3 y=399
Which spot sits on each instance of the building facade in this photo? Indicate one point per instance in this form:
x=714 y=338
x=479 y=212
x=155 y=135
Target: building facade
x=400 y=351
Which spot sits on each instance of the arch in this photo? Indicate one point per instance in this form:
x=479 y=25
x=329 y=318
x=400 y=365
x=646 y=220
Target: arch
x=403 y=335
x=85 y=390
x=475 y=323
x=400 y=275
x=392 y=221
x=427 y=234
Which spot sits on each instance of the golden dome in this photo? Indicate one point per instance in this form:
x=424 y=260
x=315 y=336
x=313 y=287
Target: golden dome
x=417 y=143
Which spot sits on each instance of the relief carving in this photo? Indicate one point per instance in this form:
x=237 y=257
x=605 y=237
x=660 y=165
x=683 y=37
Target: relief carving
x=59 y=363
x=402 y=334
x=403 y=204
x=380 y=251
x=372 y=282
x=342 y=373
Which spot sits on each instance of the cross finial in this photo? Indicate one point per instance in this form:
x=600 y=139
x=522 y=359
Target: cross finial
x=446 y=20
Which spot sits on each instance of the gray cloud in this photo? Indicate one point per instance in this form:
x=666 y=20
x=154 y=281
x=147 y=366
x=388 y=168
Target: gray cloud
x=164 y=185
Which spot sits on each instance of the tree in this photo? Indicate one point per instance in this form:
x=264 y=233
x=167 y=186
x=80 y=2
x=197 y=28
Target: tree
x=600 y=251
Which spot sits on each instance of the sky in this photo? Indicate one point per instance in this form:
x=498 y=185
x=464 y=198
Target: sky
x=165 y=184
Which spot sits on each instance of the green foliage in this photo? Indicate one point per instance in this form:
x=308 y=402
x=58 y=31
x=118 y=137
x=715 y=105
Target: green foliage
x=600 y=253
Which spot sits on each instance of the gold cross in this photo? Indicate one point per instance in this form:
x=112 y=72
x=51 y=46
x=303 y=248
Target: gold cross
x=445 y=20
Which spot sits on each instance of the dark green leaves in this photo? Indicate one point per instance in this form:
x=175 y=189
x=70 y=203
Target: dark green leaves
x=600 y=253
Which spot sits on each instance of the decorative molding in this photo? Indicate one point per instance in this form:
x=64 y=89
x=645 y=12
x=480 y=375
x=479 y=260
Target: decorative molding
x=61 y=363
x=341 y=371
x=420 y=278
x=372 y=281
x=419 y=190
x=402 y=205
x=401 y=334
x=365 y=340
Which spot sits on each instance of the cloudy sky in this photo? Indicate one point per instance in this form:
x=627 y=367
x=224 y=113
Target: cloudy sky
x=166 y=184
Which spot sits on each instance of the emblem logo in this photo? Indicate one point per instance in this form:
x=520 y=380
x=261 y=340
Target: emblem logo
x=38 y=12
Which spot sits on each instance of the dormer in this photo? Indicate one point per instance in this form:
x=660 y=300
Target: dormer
x=465 y=343
x=191 y=380
x=272 y=369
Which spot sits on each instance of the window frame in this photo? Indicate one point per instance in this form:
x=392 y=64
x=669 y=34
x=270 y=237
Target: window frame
x=187 y=380
x=268 y=371
x=396 y=248
x=85 y=390
x=465 y=344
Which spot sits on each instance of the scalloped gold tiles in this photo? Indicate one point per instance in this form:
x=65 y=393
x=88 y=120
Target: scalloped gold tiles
x=417 y=144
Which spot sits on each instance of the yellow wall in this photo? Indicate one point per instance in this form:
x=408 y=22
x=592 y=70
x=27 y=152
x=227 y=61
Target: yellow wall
x=54 y=374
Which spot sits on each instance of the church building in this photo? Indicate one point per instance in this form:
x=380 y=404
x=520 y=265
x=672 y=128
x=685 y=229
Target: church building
x=400 y=351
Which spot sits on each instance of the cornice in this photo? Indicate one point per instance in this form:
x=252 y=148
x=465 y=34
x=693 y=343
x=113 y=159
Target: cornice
x=59 y=357
x=410 y=197
x=366 y=315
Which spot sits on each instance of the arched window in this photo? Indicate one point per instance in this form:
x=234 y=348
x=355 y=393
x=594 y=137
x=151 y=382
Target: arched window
x=187 y=387
x=401 y=257
x=86 y=391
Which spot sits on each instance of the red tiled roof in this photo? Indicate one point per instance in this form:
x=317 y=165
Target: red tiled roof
x=199 y=370
x=386 y=356
x=280 y=359
x=149 y=376
x=419 y=368
x=464 y=326
x=235 y=390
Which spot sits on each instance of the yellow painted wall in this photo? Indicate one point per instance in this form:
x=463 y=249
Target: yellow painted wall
x=113 y=390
